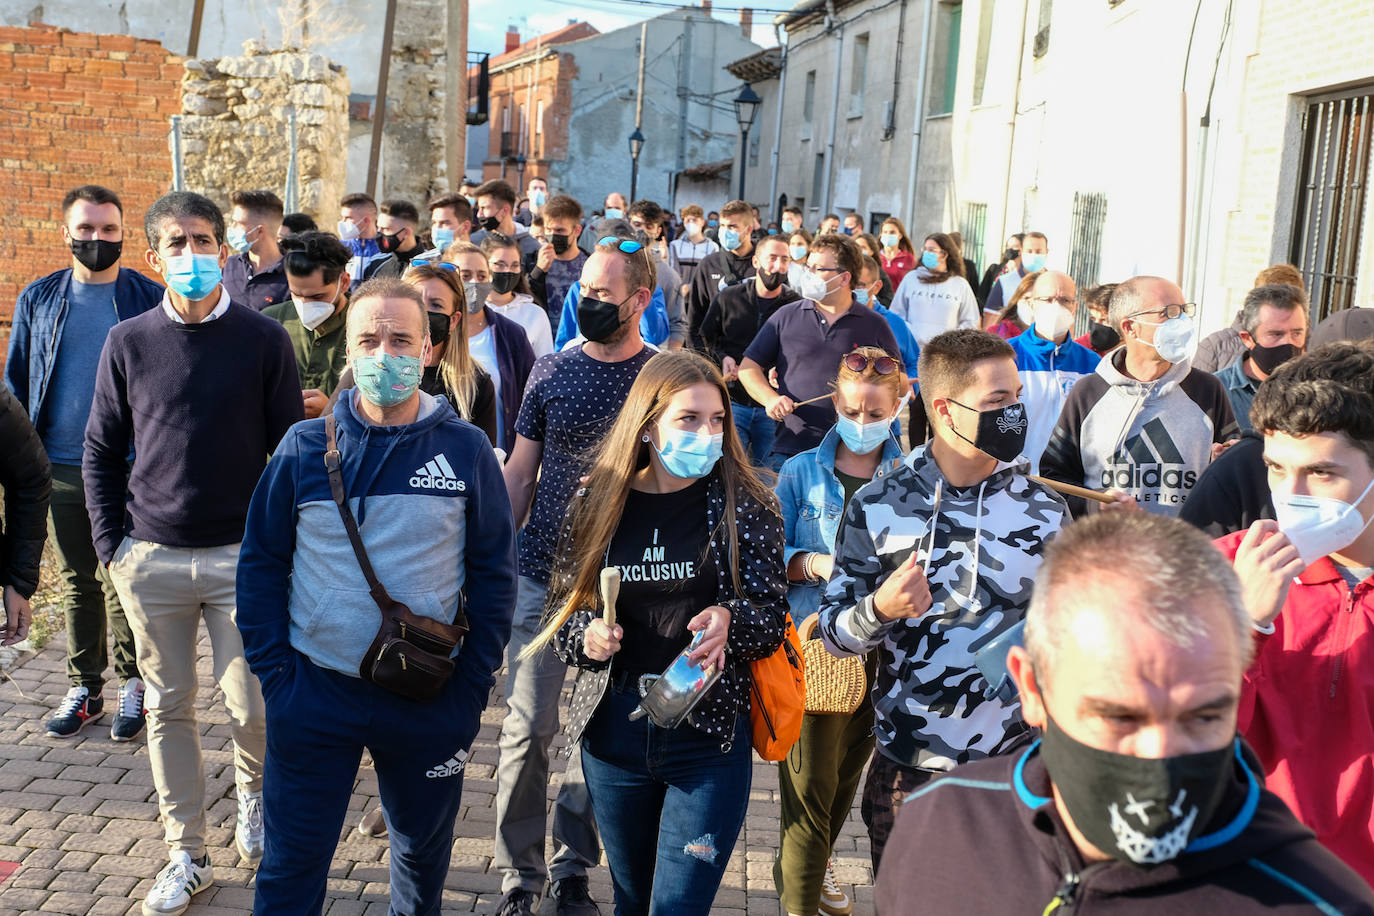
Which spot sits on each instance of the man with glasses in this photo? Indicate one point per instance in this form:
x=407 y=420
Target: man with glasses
x=1146 y=424
x=805 y=340
x=571 y=400
x=1050 y=362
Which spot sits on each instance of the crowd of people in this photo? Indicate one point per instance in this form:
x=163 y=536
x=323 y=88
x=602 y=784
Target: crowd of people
x=1110 y=597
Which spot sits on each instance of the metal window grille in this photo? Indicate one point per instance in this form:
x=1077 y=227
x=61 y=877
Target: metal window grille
x=1085 y=247
x=974 y=228
x=1338 y=133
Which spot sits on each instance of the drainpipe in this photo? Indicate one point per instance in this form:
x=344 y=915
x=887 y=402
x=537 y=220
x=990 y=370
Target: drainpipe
x=777 y=128
x=1015 y=107
x=831 y=23
x=920 y=114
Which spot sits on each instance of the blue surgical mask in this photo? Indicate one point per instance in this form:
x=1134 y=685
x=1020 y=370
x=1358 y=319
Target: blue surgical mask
x=538 y=198
x=729 y=239
x=772 y=230
x=861 y=296
x=890 y=239
x=798 y=252
x=442 y=238
x=385 y=379
x=788 y=226
x=237 y=239
x=862 y=438
x=713 y=223
x=1033 y=262
x=688 y=455
x=614 y=213
x=930 y=260
x=193 y=276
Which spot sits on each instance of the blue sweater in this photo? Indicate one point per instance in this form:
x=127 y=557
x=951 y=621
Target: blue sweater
x=433 y=513
x=1048 y=373
x=203 y=405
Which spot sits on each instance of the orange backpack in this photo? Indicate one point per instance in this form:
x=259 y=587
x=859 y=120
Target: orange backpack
x=779 y=697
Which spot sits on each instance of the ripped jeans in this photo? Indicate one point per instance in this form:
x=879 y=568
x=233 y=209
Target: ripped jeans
x=669 y=804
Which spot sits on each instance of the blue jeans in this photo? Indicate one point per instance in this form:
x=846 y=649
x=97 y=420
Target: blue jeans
x=756 y=431
x=670 y=804
x=318 y=722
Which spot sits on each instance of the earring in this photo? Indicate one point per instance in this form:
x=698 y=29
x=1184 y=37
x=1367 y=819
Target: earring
x=645 y=437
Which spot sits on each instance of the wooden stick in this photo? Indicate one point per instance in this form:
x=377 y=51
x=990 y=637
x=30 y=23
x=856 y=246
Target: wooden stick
x=1069 y=489
x=813 y=400
x=610 y=592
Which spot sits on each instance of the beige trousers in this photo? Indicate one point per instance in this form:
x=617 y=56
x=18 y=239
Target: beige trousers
x=165 y=592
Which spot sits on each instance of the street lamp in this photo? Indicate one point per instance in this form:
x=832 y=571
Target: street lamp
x=636 y=144
x=746 y=108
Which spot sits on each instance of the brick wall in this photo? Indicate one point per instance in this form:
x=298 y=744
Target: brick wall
x=77 y=109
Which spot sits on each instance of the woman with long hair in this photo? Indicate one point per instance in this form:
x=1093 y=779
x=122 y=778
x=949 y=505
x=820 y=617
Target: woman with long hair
x=818 y=779
x=672 y=502
x=798 y=247
x=936 y=297
x=898 y=254
x=507 y=288
x=1013 y=320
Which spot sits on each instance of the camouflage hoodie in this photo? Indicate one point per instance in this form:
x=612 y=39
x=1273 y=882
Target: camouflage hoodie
x=984 y=551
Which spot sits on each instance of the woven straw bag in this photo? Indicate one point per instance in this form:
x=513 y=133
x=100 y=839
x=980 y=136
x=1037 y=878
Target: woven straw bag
x=834 y=685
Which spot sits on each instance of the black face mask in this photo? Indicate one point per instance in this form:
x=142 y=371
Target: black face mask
x=490 y=223
x=504 y=281
x=96 y=254
x=387 y=243
x=560 y=243
x=1267 y=359
x=599 y=320
x=771 y=281
x=1136 y=810
x=1001 y=431
x=439 y=327
x=1011 y=254
x=1103 y=338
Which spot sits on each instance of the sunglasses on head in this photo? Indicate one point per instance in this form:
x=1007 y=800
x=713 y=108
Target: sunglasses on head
x=629 y=246
x=427 y=262
x=883 y=365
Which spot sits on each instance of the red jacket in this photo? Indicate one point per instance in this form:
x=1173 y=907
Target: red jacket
x=899 y=266
x=1307 y=708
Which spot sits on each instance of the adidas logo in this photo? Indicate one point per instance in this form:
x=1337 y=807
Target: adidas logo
x=1150 y=460
x=437 y=474
x=451 y=767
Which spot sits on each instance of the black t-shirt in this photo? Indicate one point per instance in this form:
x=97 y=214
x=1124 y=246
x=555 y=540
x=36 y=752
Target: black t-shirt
x=667 y=575
x=850 y=484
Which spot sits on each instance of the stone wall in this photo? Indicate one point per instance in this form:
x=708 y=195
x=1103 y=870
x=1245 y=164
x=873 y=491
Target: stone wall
x=235 y=131
x=414 y=143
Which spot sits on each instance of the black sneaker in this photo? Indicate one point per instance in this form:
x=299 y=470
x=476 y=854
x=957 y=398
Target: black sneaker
x=128 y=717
x=77 y=709
x=517 y=902
x=571 y=897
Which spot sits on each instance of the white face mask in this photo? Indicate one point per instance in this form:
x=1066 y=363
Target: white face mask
x=1052 y=319
x=348 y=231
x=1320 y=525
x=811 y=285
x=314 y=312
x=1176 y=339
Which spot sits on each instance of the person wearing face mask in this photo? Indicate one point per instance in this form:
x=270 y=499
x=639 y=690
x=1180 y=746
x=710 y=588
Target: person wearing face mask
x=253 y=275
x=510 y=295
x=559 y=262
x=853 y=224
x=425 y=490
x=870 y=280
x=450 y=220
x=792 y=221
x=734 y=263
x=60 y=323
x=935 y=297
x=1032 y=256
x=1308 y=576
x=1138 y=797
x=803 y=339
x=1219 y=349
x=692 y=247
x=571 y=402
x=798 y=246
x=1049 y=363
x=357 y=226
x=317 y=270
x=898 y=254
x=207 y=388
x=655 y=324
x=537 y=194
x=672 y=502
x=1019 y=315
x=397 y=238
x=1146 y=424
x=830 y=223
x=818 y=779
x=1101 y=339
x=495 y=212
x=1273 y=331
x=995 y=270
x=614 y=207
x=934 y=561
x=646 y=220
x=872 y=248
x=732 y=322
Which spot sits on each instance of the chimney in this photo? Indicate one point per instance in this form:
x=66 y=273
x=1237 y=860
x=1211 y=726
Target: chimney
x=512 y=39
x=746 y=22
x=706 y=7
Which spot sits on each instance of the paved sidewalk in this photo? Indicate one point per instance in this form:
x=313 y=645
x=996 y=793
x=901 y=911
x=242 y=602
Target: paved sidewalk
x=80 y=814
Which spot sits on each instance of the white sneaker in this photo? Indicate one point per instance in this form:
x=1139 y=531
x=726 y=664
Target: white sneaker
x=176 y=884
x=248 y=832
x=834 y=901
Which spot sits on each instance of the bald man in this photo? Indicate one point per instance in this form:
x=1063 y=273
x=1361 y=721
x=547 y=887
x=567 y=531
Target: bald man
x=1139 y=797
x=1146 y=424
x=1049 y=361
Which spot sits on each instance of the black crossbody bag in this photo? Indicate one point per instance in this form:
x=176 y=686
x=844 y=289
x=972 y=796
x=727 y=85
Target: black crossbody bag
x=410 y=655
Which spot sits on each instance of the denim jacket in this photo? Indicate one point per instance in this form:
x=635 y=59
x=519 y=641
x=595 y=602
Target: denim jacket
x=812 y=503
x=39 y=316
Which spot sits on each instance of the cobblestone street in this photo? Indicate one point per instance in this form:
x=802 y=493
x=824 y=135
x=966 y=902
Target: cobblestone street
x=80 y=815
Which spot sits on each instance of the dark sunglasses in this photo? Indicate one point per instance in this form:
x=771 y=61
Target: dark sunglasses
x=883 y=365
x=629 y=246
x=427 y=262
